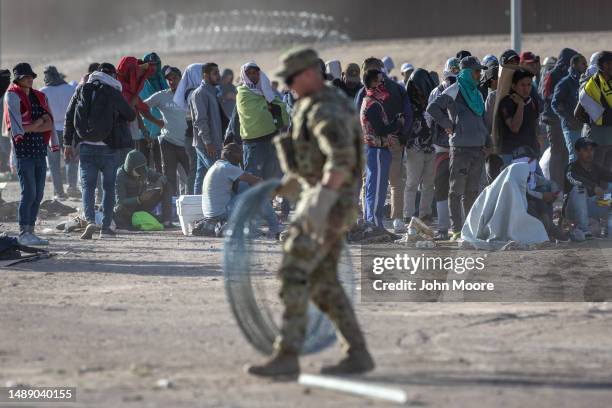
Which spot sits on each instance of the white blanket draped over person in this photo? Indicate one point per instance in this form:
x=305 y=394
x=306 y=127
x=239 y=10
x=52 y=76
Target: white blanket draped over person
x=499 y=214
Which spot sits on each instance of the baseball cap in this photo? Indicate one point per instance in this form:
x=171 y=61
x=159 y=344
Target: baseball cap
x=472 y=63
x=172 y=70
x=462 y=54
x=107 y=68
x=295 y=61
x=509 y=55
x=528 y=57
x=584 y=142
x=406 y=67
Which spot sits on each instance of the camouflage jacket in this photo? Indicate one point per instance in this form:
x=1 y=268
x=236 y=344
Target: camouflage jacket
x=325 y=135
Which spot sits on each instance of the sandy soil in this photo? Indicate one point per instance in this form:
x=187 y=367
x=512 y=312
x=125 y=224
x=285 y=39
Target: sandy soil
x=430 y=53
x=114 y=317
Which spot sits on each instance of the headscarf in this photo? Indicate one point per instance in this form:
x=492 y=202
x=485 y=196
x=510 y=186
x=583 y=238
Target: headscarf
x=131 y=82
x=156 y=82
x=379 y=93
x=52 y=76
x=192 y=77
x=469 y=90
x=263 y=87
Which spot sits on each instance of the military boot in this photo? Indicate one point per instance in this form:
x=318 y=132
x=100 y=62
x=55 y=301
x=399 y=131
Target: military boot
x=356 y=362
x=281 y=364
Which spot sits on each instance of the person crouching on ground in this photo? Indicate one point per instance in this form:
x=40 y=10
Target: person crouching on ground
x=223 y=182
x=27 y=117
x=584 y=190
x=139 y=188
x=379 y=134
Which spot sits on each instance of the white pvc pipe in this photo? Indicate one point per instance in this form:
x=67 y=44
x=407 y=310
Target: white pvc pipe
x=354 y=387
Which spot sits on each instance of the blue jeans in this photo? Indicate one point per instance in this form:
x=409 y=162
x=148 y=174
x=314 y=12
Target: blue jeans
x=204 y=162
x=580 y=208
x=94 y=160
x=570 y=139
x=32 y=173
x=378 y=162
x=266 y=211
x=55 y=165
x=260 y=159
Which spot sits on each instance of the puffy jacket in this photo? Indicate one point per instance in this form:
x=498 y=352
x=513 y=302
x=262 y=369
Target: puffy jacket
x=550 y=81
x=565 y=99
x=120 y=136
x=449 y=110
x=129 y=187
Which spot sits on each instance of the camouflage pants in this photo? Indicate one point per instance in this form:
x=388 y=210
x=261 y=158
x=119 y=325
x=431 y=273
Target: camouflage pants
x=309 y=272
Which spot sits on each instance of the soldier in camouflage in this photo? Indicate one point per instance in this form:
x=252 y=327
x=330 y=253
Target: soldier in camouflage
x=322 y=161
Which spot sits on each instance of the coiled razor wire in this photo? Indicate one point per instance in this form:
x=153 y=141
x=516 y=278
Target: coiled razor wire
x=253 y=306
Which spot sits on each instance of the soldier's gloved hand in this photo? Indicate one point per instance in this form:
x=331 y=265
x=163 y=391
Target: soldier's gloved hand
x=290 y=188
x=313 y=210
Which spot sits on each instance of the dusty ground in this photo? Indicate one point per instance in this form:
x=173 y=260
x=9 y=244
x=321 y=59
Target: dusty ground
x=430 y=53
x=114 y=317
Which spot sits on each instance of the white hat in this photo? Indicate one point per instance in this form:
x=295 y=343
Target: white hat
x=406 y=67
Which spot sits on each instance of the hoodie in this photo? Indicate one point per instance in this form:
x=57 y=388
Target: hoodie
x=552 y=79
x=565 y=99
x=155 y=83
x=128 y=186
x=419 y=87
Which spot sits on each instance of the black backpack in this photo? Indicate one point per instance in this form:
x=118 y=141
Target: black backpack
x=94 y=116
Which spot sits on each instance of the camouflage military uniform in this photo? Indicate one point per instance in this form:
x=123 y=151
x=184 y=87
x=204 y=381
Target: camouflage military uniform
x=325 y=135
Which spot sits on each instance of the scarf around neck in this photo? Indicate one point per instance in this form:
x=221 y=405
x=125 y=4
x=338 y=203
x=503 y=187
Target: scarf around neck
x=263 y=87
x=469 y=91
x=379 y=93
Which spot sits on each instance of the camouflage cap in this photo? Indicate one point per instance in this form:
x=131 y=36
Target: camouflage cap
x=296 y=61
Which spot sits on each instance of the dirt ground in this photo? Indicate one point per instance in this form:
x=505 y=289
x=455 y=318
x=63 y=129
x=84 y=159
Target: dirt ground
x=115 y=317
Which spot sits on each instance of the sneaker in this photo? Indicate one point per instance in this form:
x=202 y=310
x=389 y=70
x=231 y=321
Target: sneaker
x=74 y=192
x=455 y=236
x=398 y=226
x=60 y=196
x=169 y=225
x=107 y=233
x=39 y=240
x=27 y=239
x=441 y=235
x=90 y=230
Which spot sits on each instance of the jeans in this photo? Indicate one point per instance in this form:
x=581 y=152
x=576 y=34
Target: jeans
x=419 y=171
x=204 y=163
x=580 y=208
x=173 y=155
x=378 y=162
x=260 y=159
x=151 y=150
x=94 y=160
x=266 y=211
x=32 y=173
x=54 y=160
x=441 y=189
x=558 y=151
x=570 y=139
x=466 y=166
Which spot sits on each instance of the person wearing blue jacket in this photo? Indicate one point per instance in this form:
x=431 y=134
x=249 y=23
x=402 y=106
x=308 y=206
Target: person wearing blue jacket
x=397 y=103
x=564 y=101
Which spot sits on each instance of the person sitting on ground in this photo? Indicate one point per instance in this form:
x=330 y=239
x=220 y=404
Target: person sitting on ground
x=140 y=188
x=586 y=183
x=223 y=182
x=541 y=192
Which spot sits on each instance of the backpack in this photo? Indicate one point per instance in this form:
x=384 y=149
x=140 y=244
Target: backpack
x=94 y=116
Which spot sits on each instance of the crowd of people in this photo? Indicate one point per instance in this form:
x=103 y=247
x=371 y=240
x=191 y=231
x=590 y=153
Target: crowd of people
x=142 y=133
